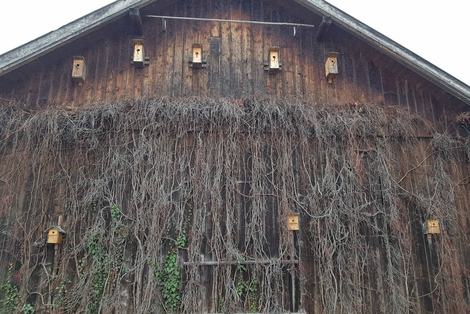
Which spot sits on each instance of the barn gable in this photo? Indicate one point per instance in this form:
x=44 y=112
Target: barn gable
x=365 y=75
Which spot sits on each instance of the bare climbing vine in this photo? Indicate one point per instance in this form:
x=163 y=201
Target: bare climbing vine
x=152 y=189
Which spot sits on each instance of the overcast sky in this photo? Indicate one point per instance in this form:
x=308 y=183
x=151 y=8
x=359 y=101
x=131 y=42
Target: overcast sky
x=437 y=31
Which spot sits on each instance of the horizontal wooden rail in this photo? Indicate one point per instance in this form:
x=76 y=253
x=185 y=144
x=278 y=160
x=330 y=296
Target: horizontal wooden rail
x=216 y=263
x=227 y=21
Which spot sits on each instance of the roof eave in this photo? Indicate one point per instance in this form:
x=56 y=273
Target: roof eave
x=38 y=47
x=390 y=48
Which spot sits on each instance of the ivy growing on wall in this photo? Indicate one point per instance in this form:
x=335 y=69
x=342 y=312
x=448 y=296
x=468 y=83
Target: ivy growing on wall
x=169 y=275
x=12 y=299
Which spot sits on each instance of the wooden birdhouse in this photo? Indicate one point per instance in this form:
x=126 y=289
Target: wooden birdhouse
x=197 y=53
x=55 y=234
x=331 y=66
x=79 y=70
x=274 y=61
x=139 y=55
x=293 y=222
x=431 y=226
x=197 y=60
x=139 y=59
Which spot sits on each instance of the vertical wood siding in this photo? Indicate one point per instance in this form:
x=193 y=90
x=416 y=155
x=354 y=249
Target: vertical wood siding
x=235 y=55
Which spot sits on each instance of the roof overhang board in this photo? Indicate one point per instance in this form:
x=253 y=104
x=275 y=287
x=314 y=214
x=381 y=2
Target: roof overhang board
x=390 y=48
x=66 y=34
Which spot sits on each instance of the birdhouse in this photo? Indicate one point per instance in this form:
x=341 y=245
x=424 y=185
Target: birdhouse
x=331 y=66
x=197 y=53
x=54 y=235
x=274 y=61
x=197 y=60
x=293 y=222
x=139 y=55
x=431 y=226
x=79 y=70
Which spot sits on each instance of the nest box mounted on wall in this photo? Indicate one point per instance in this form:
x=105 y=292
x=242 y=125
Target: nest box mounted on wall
x=54 y=235
x=431 y=226
x=293 y=222
x=139 y=59
x=197 y=61
x=79 y=70
x=331 y=67
x=274 y=62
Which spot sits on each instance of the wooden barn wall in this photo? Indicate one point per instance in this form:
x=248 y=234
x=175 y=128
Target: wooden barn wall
x=423 y=264
x=235 y=56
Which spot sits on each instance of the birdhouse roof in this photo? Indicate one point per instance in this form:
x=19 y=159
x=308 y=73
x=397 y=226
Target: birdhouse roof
x=57 y=228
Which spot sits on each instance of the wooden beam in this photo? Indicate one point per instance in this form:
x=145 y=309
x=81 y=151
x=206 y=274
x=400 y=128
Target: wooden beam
x=184 y=18
x=322 y=30
x=255 y=262
x=136 y=20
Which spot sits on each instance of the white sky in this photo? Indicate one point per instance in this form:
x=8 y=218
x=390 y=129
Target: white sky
x=437 y=31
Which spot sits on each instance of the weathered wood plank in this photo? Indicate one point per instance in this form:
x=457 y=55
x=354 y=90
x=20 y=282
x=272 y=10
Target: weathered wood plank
x=139 y=77
x=53 y=85
x=122 y=67
x=247 y=51
x=361 y=78
x=63 y=80
x=420 y=101
x=105 y=51
x=298 y=67
x=171 y=36
x=348 y=73
x=390 y=88
x=375 y=83
x=190 y=36
x=178 y=53
x=287 y=86
x=235 y=49
x=401 y=92
x=161 y=56
x=319 y=72
x=204 y=31
x=110 y=93
x=225 y=50
x=268 y=37
x=92 y=62
x=406 y=92
x=259 y=82
x=45 y=87
x=33 y=89
x=215 y=10
x=213 y=83
x=311 y=79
